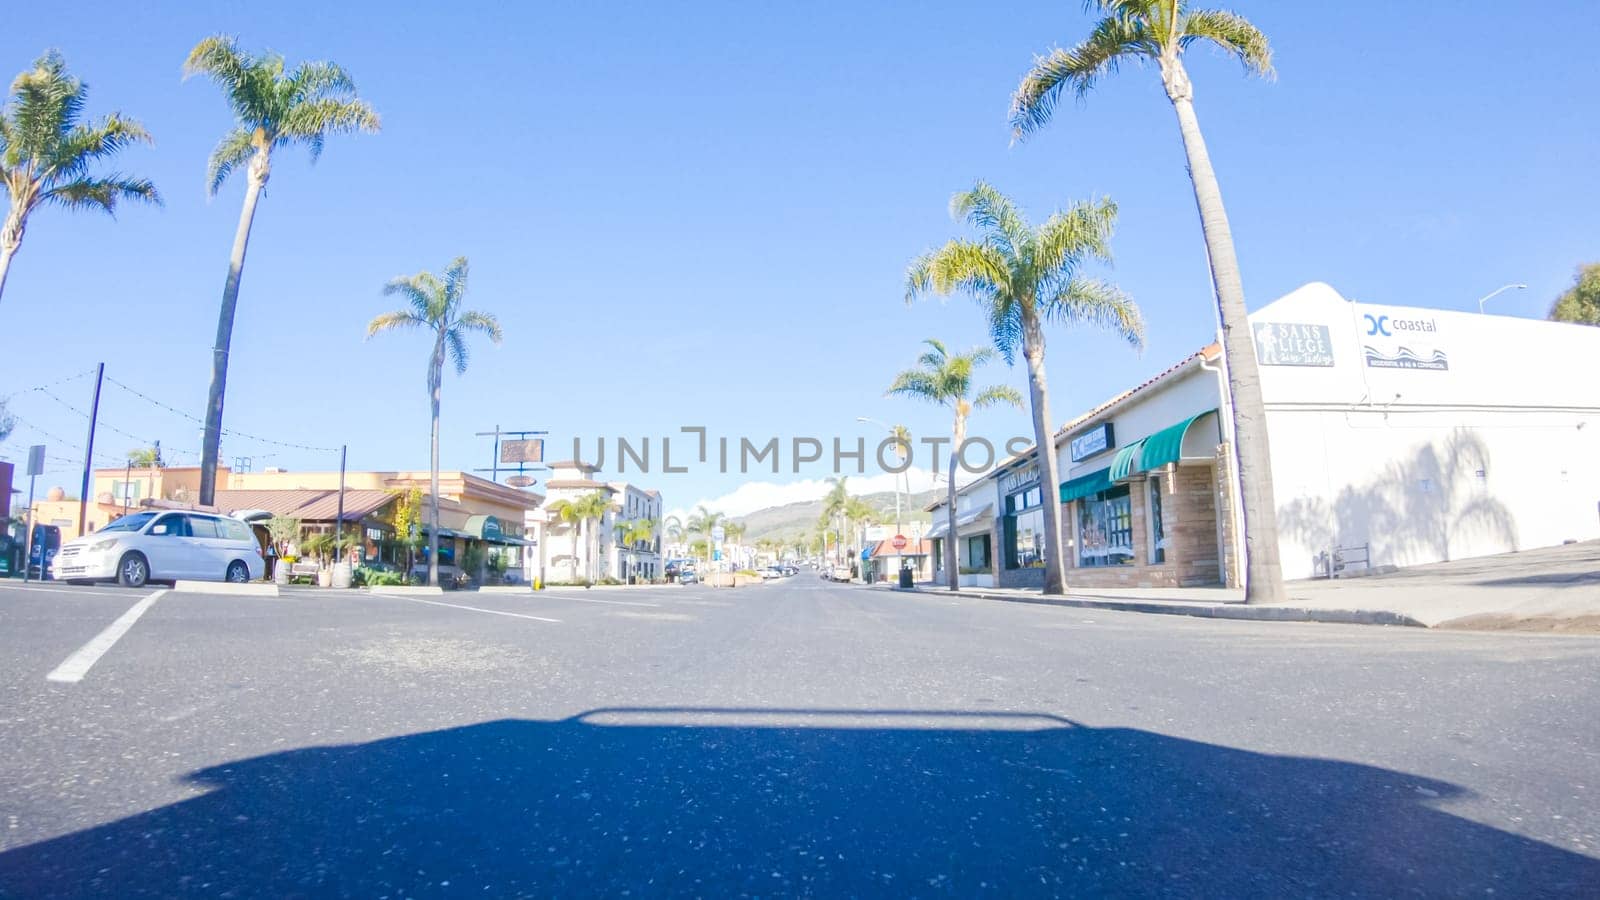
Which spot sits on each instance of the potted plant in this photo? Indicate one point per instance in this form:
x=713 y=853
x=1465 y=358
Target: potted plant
x=282 y=530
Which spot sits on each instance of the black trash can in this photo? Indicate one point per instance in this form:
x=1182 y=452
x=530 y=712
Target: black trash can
x=905 y=577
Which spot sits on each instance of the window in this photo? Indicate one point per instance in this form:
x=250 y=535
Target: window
x=127 y=490
x=978 y=552
x=202 y=526
x=235 y=530
x=1105 y=529
x=1158 y=527
x=132 y=522
x=1024 y=529
x=170 y=526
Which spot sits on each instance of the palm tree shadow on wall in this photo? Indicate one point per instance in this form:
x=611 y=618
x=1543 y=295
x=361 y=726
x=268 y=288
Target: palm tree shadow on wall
x=671 y=801
x=1429 y=506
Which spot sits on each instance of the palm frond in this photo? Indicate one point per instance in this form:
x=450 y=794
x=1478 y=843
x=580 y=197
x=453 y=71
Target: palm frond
x=309 y=122
x=998 y=395
x=84 y=144
x=457 y=346
x=1005 y=327
x=485 y=323
x=1081 y=301
x=1077 y=70
x=1081 y=232
x=919 y=384
x=399 y=320
x=1234 y=34
x=102 y=193
x=219 y=58
x=455 y=278
x=960 y=266
x=45 y=101
x=993 y=212
x=317 y=80
x=232 y=151
x=417 y=291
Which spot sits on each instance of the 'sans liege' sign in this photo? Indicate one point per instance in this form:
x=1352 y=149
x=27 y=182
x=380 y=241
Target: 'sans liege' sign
x=1293 y=344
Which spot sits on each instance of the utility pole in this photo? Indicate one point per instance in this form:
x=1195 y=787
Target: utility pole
x=338 y=521
x=88 y=453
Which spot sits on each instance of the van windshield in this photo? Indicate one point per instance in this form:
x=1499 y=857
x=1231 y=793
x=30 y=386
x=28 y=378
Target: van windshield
x=132 y=522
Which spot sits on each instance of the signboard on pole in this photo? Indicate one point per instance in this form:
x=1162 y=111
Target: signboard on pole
x=718 y=534
x=898 y=542
x=527 y=450
x=36 y=459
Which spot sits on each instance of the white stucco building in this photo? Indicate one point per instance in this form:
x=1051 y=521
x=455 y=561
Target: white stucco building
x=563 y=550
x=1401 y=434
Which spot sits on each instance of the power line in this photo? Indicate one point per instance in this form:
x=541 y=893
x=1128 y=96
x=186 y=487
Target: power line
x=58 y=382
x=231 y=433
x=101 y=423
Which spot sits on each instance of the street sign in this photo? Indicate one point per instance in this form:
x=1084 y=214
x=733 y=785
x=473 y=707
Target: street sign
x=526 y=450
x=898 y=542
x=36 y=459
x=718 y=533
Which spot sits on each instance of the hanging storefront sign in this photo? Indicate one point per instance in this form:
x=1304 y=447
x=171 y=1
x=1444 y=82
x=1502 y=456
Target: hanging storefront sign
x=529 y=450
x=1098 y=440
x=1014 y=480
x=1293 y=344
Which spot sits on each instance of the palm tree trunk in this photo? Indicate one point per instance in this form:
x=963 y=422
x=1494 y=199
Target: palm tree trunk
x=952 y=569
x=1253 y=457
x=211 y=442
x=1055 y=580
x=10 y=240
x=435 y=382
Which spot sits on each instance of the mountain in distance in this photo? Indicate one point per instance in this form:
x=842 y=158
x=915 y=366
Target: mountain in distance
x=792 y=520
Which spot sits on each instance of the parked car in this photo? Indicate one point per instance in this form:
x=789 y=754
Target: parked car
x=155 y=545
x=770 y=573
x=839 y=573
x=688 y=576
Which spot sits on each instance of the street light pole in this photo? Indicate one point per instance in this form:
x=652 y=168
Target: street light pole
x=1497 y=292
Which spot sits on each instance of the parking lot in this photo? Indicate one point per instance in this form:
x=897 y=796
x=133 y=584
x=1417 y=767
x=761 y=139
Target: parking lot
x=791 y=737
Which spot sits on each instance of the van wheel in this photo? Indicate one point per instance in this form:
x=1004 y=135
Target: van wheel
x=238 y=572
x=133 y=571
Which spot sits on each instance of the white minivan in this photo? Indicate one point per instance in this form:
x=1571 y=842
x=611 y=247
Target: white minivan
x=158 y=545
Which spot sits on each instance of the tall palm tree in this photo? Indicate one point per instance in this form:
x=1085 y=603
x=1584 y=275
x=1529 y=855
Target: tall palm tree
x=272 y=109
x=702 y=522
x=434 y=303
x=572 y=517
x=1024 y=277
x=147 y=457
x=834 y=503
x=1160 y=31
x=945 y=378
x=672 y=529
x=46 y=152
x=590 y=511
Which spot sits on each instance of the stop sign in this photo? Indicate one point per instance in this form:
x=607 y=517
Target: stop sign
x=898 y=542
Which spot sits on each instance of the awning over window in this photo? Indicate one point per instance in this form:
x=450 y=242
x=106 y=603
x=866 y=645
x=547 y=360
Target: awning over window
x=1084 y=485
x=1166 y=445
x=963 y=519
x=1122 y=464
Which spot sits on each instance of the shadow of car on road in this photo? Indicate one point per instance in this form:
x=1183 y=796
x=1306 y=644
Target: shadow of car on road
x=708 y=801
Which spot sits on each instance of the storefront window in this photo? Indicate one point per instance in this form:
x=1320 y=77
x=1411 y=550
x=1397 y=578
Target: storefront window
x=978 y=552
x=1105 y=529
x=1158 y=529
x=1024 y=529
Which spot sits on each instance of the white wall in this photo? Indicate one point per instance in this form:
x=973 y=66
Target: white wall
x=1392 y=457
x=1183 y=395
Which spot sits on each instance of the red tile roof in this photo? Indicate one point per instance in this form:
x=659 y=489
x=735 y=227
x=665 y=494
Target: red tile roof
x=1209 y=353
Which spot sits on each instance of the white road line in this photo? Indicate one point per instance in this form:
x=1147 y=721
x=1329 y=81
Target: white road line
x=68 y=590
x=78 y=664
x=598 y=600
x=492 y=612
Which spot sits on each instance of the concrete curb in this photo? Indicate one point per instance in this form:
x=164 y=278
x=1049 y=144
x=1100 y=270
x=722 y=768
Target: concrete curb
x=520 y=590
x=407 y=590
x=251 y=589
x=1205 y=611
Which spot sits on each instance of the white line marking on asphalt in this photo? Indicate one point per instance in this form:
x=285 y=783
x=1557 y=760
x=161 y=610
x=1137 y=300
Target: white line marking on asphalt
x=70 y=590
x=78 y=664
x=492 y=612
x=612 y=602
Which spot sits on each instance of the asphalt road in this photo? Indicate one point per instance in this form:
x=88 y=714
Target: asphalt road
x=791 y=738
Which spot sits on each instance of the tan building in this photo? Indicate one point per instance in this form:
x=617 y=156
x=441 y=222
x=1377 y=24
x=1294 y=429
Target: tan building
x=473 y=510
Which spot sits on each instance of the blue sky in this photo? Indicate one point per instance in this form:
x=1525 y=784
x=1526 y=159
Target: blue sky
x=702 y=214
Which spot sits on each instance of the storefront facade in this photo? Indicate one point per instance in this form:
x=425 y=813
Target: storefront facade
x=1399 y=436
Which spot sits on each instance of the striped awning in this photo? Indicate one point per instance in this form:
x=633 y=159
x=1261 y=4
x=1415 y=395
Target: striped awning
x=1085 y=485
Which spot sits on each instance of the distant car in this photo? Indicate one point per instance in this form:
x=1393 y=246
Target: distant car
x=790 y=570
x=839 y=573
x=688 y=576
x=770 y=573
x=153 y=545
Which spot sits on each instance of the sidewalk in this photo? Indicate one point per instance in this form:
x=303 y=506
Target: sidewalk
x=1552 y=588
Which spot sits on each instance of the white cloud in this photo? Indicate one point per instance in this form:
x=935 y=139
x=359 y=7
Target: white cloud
x=754 y=495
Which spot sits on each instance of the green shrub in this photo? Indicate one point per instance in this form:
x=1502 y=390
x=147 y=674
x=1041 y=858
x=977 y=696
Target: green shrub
x=364 y=577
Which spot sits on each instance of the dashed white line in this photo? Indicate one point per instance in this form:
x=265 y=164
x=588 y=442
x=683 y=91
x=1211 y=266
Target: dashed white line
x=78 y=664
x=492 y=612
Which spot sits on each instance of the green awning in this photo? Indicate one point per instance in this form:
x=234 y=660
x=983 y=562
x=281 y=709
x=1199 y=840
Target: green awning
x=1122 y=464
x=1084 y=485
x=1166 y=445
